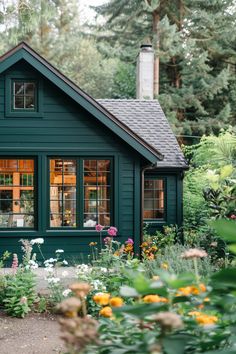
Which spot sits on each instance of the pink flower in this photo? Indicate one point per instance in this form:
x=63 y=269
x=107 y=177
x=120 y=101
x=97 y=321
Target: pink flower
x=112 y=231
x=233 y=216
x=99 y=227
x=107 y=240
x=129 y=241
x=14 y=261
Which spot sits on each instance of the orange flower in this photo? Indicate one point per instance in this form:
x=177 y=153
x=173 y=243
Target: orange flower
x=154 y=298
x=206 y=320
x=116 y=302
x=191 y=290
x=101 y=299
x=106 y=312
x=194 y=313
x=202 y=287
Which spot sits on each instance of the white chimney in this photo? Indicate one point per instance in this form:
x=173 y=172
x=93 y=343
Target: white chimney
x=145 y=73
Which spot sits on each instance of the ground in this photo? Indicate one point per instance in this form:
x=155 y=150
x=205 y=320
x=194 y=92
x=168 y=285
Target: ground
x=35 y=334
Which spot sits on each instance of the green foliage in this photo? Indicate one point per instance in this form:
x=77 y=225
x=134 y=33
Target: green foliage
x=19 y=293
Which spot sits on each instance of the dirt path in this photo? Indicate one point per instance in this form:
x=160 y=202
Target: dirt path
x=35 y=334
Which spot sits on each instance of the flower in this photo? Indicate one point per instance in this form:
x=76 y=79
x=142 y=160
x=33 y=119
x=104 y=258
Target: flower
x=14 y=261
x=194 y=253
x=191 y=290
x=23 y=300
x=99 y=227
x=129 y=241
x=66 y=292
x=91 y=244
x=233 y=217
x=206 y=320
x=101 y=299
x=194 y=313
x=59 y=251
x=65 y=262
x=32 y=265
x=112 y=231
x=116 y=301
x=64 y=273
x=53 y=280
x=37 y=241
x=154 y=298
x=70 y=307
x=168 y=320
x=107 y=240
x=164 y=266
x=80 y=289
x=50 y=260
x=106 y=312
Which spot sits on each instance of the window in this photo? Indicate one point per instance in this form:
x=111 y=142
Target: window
x=80 y=191
x=97 y=191
x=23 y=95
x=154 y=196
x=17 y=193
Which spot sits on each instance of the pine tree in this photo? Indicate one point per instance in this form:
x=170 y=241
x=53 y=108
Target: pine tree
x=196 y=52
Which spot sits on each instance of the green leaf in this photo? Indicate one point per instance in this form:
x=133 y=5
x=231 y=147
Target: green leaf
x=224 y=278
x=226 y=229
x=176 y=344
x=140 y=310
x=232 y=248
x=127 y=291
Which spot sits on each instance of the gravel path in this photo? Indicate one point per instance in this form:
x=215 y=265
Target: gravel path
x=36 y=333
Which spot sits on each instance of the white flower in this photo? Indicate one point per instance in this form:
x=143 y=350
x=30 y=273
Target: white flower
x=97 y=284
x=59 y=251
x=104 y=270
x=66 y=292
x=50 y=260
x=64 y=274
x=37 y=241
x=49 y=269
x=83 y=269
x=31 y=265
x=65 y=262
x=53 y=280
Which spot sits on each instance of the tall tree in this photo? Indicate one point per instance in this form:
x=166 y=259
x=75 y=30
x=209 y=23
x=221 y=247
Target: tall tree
x=195 y=51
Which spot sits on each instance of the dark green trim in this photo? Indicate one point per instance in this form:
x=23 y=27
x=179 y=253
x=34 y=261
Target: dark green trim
x=12 y=113
x=40 y=64
x=137 y=207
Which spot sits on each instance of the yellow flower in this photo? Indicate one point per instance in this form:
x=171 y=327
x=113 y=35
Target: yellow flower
x=164 y=266
x=154 y=298
x=92 y=244
x=101 y=299
x=116 y=302
x=155 y=277
x=194 y=313
x=106 y=312
x=207 y=299
x=144 y=244
x=191 y=290
x=206 y=320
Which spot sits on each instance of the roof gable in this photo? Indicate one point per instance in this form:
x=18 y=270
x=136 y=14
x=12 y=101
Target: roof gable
x=23 y=51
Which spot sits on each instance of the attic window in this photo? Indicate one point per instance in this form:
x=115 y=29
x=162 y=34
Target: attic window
x=23 y=95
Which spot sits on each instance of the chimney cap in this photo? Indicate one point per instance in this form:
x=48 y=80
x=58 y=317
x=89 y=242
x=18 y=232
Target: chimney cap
x=146 y=45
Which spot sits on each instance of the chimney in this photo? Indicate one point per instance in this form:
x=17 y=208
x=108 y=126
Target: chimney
x=145 y=73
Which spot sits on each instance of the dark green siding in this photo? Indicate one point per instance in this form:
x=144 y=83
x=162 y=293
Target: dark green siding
x=68 y=129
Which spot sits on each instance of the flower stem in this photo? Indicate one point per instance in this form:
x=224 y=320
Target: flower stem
x=196 y=270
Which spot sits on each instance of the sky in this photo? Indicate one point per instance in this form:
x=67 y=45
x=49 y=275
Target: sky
x=88 y=14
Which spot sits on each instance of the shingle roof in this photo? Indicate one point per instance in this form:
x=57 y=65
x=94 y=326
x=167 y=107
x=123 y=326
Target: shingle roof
x=146 y=118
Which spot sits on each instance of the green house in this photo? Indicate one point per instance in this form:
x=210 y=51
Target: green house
x=69 y=162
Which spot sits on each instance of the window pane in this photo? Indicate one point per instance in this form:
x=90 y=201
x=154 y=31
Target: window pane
x=17 y=193
x=29 y=102
x=19 y=88
x=96 y=192
x=154 y=199
x=19 y=102
x=63 y=193
x=30 y=88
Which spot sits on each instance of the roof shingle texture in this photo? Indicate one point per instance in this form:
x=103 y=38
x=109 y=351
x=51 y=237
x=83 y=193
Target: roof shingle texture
x=146 y=119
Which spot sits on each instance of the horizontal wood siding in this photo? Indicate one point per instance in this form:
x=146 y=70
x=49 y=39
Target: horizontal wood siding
x=66 y=127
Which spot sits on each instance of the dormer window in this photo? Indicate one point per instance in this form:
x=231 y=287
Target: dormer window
x=24 y=95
